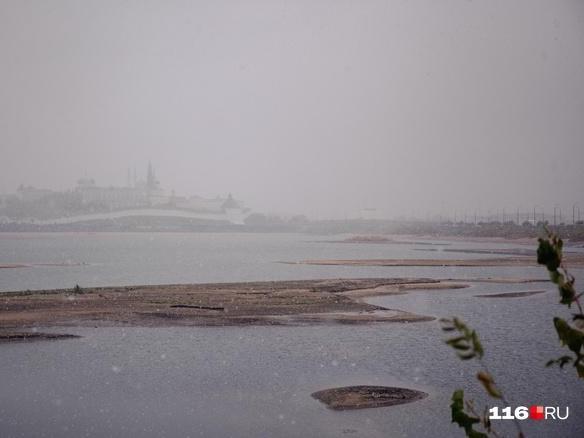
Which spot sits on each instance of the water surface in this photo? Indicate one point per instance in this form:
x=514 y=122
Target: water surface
x=256 y=381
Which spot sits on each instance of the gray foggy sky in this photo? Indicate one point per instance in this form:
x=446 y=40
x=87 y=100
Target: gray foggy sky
x=315 y=107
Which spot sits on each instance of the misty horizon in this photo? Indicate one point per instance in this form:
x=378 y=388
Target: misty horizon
x=291 y=218
x=323 y=109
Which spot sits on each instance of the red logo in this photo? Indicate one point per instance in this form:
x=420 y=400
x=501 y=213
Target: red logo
x=536 y=412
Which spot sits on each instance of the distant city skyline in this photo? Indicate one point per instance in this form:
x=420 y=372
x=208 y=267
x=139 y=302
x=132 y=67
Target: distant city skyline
x=556 y=213
x=326 y=109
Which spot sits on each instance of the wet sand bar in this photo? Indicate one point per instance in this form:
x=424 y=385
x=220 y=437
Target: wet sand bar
x=573 y=260
x=306 y=302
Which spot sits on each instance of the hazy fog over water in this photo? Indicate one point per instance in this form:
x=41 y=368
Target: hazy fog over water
x=315 y=107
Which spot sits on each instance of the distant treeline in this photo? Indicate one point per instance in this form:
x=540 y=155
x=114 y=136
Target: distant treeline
x=299 y=224
x=508 y=230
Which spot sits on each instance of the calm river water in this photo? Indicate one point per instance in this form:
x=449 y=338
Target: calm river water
x=256 y=381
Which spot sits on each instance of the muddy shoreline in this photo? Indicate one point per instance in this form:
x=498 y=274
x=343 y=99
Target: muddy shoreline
x=519 y=294
x=12 y=336
x=364 y=397
x=573 y=260
x=306 y=302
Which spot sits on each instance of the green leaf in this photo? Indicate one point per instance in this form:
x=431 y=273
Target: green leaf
x=466 y=356
x=477 y=346
x=561 y=361
x=556 y=277
x=567 y=293
x=467 y=343
x=460 y=417
x=455 y=340
x=569 y=336
x=549 y=255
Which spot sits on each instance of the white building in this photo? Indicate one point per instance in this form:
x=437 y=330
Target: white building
x=32 y=194
x=113 y=197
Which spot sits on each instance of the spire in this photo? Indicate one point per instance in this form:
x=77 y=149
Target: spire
x=151 y=182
